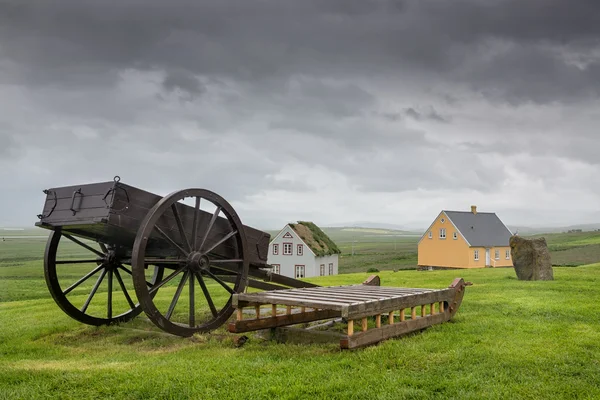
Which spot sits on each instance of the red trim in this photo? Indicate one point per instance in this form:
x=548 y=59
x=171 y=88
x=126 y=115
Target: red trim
x=303 y=271
x=276 y=268
x=287 y=236
x=275 y=249
x=291 y=249
x=300 y=249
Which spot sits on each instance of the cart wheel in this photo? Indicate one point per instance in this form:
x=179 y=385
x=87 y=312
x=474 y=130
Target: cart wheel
x=68 y=280
x=209 y=241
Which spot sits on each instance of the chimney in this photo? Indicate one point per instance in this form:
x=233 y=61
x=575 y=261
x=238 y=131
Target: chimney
x=474 y=209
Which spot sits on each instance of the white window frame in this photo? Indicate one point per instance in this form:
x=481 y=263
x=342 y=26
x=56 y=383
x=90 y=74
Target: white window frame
x=276 y=249
x=442 y=233
x=322 y=270
x=476 y=255
x=507 y=254
x=300 y=271
x=330 y=268
x=442 y=220
x=455 y=236
x=496 y=254
x=276 y=268
x=300 y=249
x=289 y=246
x=430 y=235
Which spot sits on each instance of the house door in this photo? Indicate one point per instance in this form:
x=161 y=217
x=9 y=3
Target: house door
x=487 y=258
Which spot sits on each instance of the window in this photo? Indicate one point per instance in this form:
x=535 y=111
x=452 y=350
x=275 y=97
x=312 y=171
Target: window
x=455 y=236
x=299 y=249
x=330 y=268
x=430 y=235
x=322 y=270
x=442 y=220
x=276 y=268
x=287 y=235
x=287 y=249
x=476 y=253
x=508 y=254
x=275 y=249
x=299 y=271
x=442 y=233
x=497 y=254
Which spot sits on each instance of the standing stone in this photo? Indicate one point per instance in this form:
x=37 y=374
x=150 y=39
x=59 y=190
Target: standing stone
x=531 y=259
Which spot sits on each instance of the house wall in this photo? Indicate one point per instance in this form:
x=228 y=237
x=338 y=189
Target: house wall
x=448 y=252
x=288 y=263
x=326 y=260
x=500 y=262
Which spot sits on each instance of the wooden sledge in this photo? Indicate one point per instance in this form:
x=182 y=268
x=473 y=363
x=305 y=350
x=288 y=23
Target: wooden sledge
x=395 y=311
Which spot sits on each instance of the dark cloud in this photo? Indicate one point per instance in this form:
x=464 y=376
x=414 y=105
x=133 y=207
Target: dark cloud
x=84 y=43
x=314 y=107
x=183 y=81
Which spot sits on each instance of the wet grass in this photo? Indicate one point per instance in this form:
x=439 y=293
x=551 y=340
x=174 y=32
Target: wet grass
x=510 y=339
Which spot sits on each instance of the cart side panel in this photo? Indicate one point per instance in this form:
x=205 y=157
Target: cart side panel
x=112 y=212
x=131 y=205
x=81 y=204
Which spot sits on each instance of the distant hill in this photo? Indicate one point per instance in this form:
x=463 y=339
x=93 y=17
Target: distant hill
x=366 y=224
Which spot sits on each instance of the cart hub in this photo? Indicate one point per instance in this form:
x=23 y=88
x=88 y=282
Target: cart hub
x=198 y=261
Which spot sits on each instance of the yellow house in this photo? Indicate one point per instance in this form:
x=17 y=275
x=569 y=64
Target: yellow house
x=462 y=239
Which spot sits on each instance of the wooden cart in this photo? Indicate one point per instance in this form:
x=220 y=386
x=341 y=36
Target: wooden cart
x=189 y=256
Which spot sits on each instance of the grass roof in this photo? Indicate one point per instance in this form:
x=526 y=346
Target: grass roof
x=315 y=238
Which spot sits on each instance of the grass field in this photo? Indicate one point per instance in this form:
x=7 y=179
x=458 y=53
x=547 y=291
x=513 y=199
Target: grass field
x=510 y=339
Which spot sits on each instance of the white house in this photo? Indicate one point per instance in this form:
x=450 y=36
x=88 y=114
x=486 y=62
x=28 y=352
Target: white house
x=303 y=250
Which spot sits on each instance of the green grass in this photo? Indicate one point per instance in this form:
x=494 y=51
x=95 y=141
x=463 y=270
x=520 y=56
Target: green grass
x=510 y=339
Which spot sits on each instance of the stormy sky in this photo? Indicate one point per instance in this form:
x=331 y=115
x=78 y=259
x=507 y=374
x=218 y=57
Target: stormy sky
x=331 y=111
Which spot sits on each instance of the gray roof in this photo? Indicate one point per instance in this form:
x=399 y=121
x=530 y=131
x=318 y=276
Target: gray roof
x=481 y=229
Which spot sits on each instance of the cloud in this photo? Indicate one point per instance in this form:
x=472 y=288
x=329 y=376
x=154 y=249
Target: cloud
x=325 y=110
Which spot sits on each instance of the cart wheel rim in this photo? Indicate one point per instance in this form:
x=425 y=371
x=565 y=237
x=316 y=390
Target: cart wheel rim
x=108 y=300
x=208 y=257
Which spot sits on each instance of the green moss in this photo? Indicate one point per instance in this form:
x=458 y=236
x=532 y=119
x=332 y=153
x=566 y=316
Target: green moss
x=326 y=246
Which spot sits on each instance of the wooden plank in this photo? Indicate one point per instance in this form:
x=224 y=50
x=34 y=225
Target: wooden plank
x=378 y=321
x=373 y=307
x=237 y=302
x=360 y=293
x=350 y=327
x=364 y=324
x=339 y=295
x=388 y=331
x=284 y=295
x=280 y=320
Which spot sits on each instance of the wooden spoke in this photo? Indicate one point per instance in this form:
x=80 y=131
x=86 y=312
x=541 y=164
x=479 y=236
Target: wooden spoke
x=195 y=223
x=130 y=273
x=209 y=300
x=220 y=282
x=83 y=279
x=192 y=303
x=109 y=302
x=166 y=280
x=209 y=228
x=176 y=296
x=220 y=242
x=171 y=241
x=124 y=290
x=103 y=248
x=180 y=226
x=93 y=292
x=76 y=261
x=85 y=246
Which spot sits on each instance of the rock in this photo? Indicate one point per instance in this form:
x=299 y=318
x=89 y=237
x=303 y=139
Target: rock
x=531 y=259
